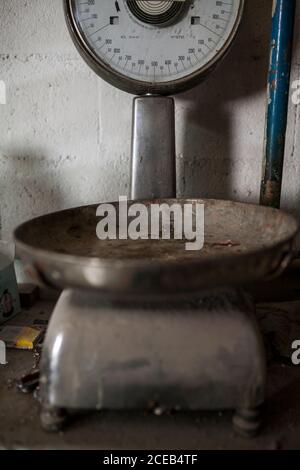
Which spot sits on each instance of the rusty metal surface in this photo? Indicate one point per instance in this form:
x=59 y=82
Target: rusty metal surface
x=62 y=250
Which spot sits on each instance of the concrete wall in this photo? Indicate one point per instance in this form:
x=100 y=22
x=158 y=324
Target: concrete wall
x=65 y=134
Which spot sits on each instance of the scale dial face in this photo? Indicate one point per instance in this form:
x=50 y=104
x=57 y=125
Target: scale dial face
x=155 y=46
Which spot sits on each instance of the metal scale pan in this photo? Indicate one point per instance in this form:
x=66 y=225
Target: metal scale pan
x=104 y=351
x=243 y=242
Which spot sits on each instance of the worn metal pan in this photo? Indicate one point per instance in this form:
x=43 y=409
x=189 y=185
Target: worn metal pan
x=243 y=243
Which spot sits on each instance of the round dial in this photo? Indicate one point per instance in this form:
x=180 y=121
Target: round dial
x=153 y=46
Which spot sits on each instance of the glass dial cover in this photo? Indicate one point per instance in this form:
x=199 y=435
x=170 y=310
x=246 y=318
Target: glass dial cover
x=155 y=46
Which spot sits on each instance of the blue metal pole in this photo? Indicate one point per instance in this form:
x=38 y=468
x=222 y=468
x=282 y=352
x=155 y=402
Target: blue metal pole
x=278 y=98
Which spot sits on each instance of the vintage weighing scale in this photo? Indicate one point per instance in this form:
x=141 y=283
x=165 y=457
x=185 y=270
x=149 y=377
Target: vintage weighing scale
x=144 y=324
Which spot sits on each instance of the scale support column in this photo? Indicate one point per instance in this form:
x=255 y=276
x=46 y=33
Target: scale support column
x=153 y=167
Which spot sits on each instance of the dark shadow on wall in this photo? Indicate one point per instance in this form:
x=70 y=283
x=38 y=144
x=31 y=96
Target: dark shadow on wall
x=207 y=166
x=27 y=188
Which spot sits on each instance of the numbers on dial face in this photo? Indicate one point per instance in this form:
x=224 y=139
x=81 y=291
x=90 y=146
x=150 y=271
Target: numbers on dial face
x=156 y=53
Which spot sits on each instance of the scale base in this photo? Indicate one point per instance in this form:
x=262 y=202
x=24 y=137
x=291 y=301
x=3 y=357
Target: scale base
x=203 y=354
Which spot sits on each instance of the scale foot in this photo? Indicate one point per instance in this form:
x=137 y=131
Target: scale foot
x=247 y=421
x=53 y=419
